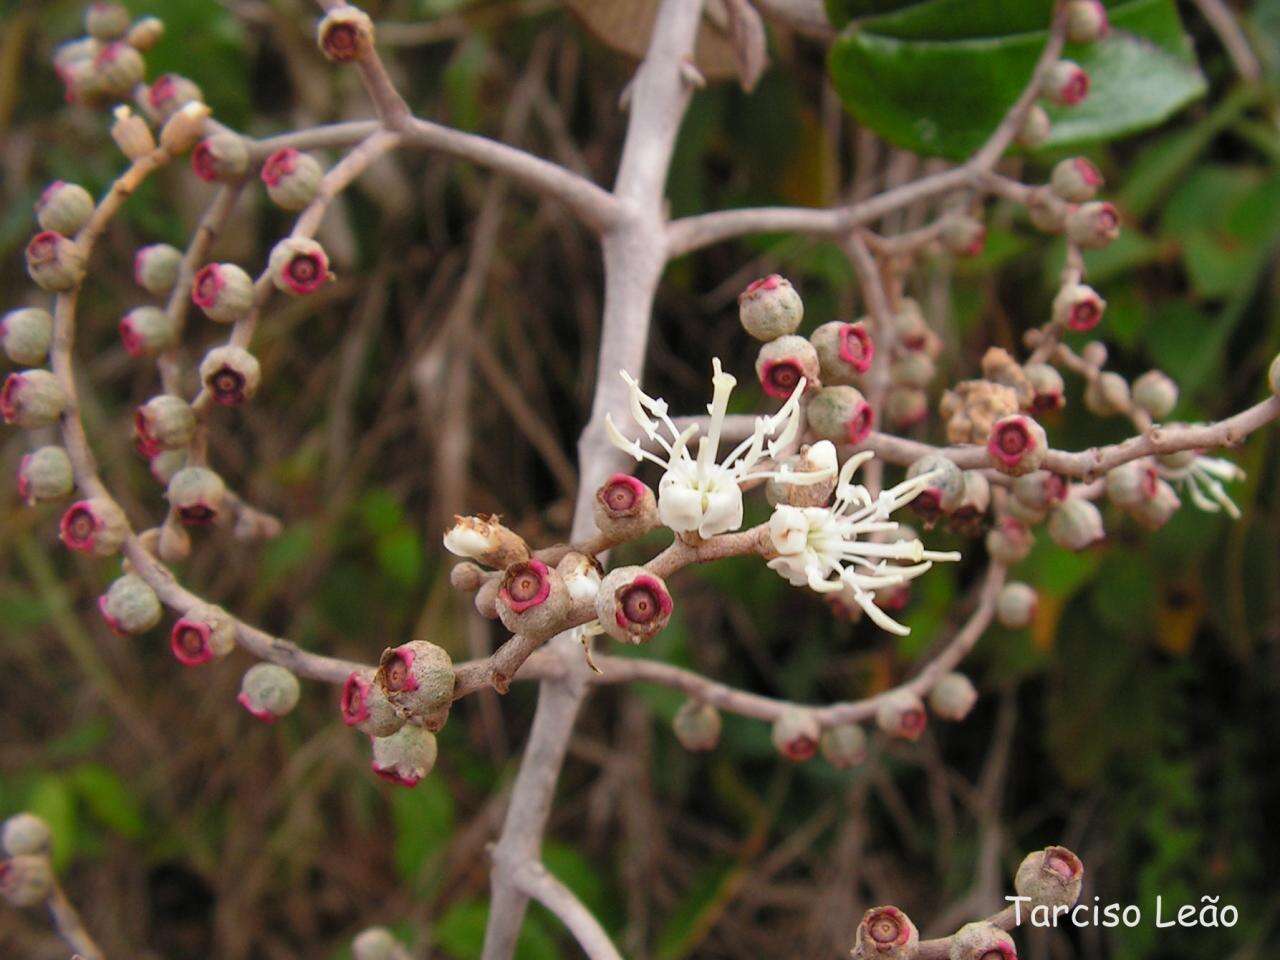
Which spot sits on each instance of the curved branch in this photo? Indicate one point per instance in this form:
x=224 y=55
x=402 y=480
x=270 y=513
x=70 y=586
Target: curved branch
x=536 y=881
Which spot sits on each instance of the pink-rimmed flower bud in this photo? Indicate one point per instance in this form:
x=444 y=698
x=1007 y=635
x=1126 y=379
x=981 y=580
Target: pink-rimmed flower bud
x=625 y=508
x=1046 y=212
x=145 y=34
x=1066 y=84
x=131 y=134
x=26 y=880
x=1086 y=21
x=632 y=604
x=968 y=518
x=45 y=474
x=782 y=363
x=1075 y=180
x=697 y=726
x=814 y=458
x=169 y=94
x=953 y=697
x=1156 y=393
x=147 y=331
x=292 y=178
x=32 y=398
x=406 y=756
x=1078 y=307
x=25 y=834
x=222 y=156
x=26 y=335
x=901 y=714
x=197 y=495
x=1040 y=490
x=770 y=308
x=1017 y=445
x=55 y=263
x=844 y=746
x=1131 y=483
x=533 y=598
x=155 y=268
x=118 y=68
x=945 y=490
x=95 y=526
x=1107 y=395
x=230 y=374
x=885 y=933
x=485 y=539
x=1155 y=511
x=130 y=606
x=165 y=464
x=417 y=678
x=962 y=234
x=1046 y=386
x=840 y=414
x=1093 y=225
x=64 y=208
x=1075 y=524
x=845 y=351
x=1035 y=129
x=1009 y=541
x=376 y=943
x=298 y=266
x=904 y=407
x=268 y=691
x=1051 y=877
x=1016 y=605
x=981 y=941
x=365 y=706
x=913 y=369
x=106 y=21
x=182 y=131
x=204 y=633
x=345 y=34
x=223 y=291
x=796 y=735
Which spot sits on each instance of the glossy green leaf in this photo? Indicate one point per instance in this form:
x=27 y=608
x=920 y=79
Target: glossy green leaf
x=423 y=820
x=840 y=12
x=108 y=799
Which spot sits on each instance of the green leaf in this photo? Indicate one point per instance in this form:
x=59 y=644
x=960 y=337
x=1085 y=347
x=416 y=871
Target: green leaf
x=108 y=799
x=51 y=799
x=840 y=12
x=460 y=934
x=400 y=555
x=423 y=819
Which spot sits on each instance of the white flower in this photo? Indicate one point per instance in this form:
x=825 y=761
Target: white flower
x=471 y=537
x=832 y=549
x=1202 y=479
x=697 y=493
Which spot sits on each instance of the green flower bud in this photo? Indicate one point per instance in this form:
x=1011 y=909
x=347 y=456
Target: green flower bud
x=145 y=34
x=1155 y=393
x=770 y=308
x=1078 y=307
x=1051 y=877
x=417 y=678
x=1040 y=489
x=45 y=475
x=197 y=495
x=169 y=94
x=1075 y=180
x=1046 y=386
x=164 y=422
x=1107 y=395
x=963 y=235
x=155 y=268
x=1016 y=605
x=183 y=129
x=204 y=633
x=840 y=414
x=1035 y=129
x=406 y=756
x=365 y=706
x=697 y=726
x=130 y=606
x=1131 y=483
x=131 y=134
x=55 y=263
x=292 y=178
x=64 y=208
x=1155 y=511
x=268 y=691
x=945 y=490
x=1075 y=524
x=844 y=746
x=1086 y=21
x=953 y=697
x=147 y=331
x=845 y=351
x=25 y=834
x=119 y=69
x=783 y=363
x=1017 y=445
x=223 y=291
x=1066 y=84
x=1046 y=212
x=222 y=156
x=32 y=398
x=1093 y=225
x=905 y=407
x=26 y=335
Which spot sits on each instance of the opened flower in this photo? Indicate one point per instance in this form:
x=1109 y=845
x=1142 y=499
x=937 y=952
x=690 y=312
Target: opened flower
x=1202 y=479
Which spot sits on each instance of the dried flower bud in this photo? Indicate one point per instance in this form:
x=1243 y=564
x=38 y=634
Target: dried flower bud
x=203 y=634
x=963 y=235
x=1046 y=212
x=95 y=526
x=417 y=677
x=269 y=691
x=118 y=68
x=292 y=178
x=406 y=756
x=1016 y=605
x=487 y=540
x=1017 y=445
x=981 y=941
x=298 y=266
x=223 y=291
x=697 y=726
x=145 y=34
x=197 y=494
x=1075 y=180
x=32 y=398
x=1051 y=877
x=26 y=880
x=1078 y=307
x=533 y=598
x=632 y=604
x=1155 y=511
x=1093 y=225
x=147 y=331
x=25 y=834
x=1156 y=393
x=45 y=474
x=845 y=351
x=345 y=34
x=796 y=735
x=770 y=308
x=230 y=374
x=1086 y=21
x=365 y=706
x=625 y=508
x=901 y=714
x=945 y=490
x=222 y=156
x=784 y=362
x=1046 y=386
x=130 y=606
x=55 y=263
x=844 y=746
x=64 y=208
x=1035 y=129
x=169 y=94
x=953 y=697
x=183 y=130
x=840 y=414
x=1066 y=83
x=1107 y=394
x=155 y=268
x=1075 y=524
x=26 y=335
x=376 y=943
x=1009 y=541
x=815 y=458
x=885 y=933
x=166 y=463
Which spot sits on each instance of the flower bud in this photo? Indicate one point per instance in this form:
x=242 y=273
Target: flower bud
x=1075 y=524
x=118 y=68
x=581 y=575
x=981 y=941
x=819 y=457
x=45 y=475
x=1051 y=877
x=376 y=943
x=222 y=156
x=1066 y=83
x=900 y=713
x=25 y=834
x=106 y=21
x=963 y=235
x=953 y=697
x=155 y=268
x=1155 y=511
x=885 y=933
x=912 y=369
x=64 y=208
x=174 y=543
x=486 y=599
x=169 y=94
x=26 y=335
x=145 y=34
x=1016 y=605
x=183 y=130
x=166 y=463
x=1155 y=393
x=1046 y=212
x=345 y=34
x=1009 y=541
x=131 y=134
x=1093 y=225
x=417 y=678
x=298 y=266
x=770 y=308
x=1107 y=395
x=1035 y=129
x=945 y=490
x=844 y=746
x=633 y=604
x=906 y=406
x=203 y=634
x=1075 y=180
x=223 y=291
x=467 y=576
x=1046 y=386
x=796 y=735
x=487 y=540
x=697 y=726
x=533 y=598
x=147 y=331
x=230 y=374
x=268 y=691
x=1029 y=516
x=845 y=351
x=1017 y=445
x=406 y=756
x=1086 y=21
x=55 y=263
x=32 y=398
x=784 y=362
x=26 y=880
x=365 y=706
x=840 y=414
x=1078 y=307
x=292 y=178
x=1131 y=483
x=96 y=526
x=625 y=508
x=967 y=518
x=1041 y=489
x=130 y=606
x=197 y=494
x=912 y=331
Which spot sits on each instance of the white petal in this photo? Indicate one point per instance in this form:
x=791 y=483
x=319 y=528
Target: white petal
x=679 y=504
x=723 y=511
x=788 y=529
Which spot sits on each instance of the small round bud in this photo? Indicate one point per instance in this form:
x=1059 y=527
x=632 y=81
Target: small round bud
x=26 y=335
x=1046 y=212
x=376 y=943
x=1131 y=483
x=1075 y=180
x=967 y=518
x=945 y=490
x=981 y=941
x=25 y=834
x=963 y=235
x=130 y=606
x=417 y=678
x=1041 y=489
x=155 y=268
x=486 y=599
x=298 y=266
x=145 y=34
x=1017 y=445
x=32 y=398
x=292 y=178
x=183 y=130
x=1107 y=395
x=885 y=933
x=365 y=706
x=953 y=697
x=96 y=526
x=913 y=331
x=1155 y=511
x=169 y=94
x=697 y=726
x=1046 y=386
x=844 y=746
x=1016 y=605
x=222 y=156
x=1093 y=225
x=230 y=374
x=1009 y=541
x=796 y=735
x=487 y=540
x=770 y=308
x=632 y=604
x=173 y=544
x=912 y=369
x=118 y=68
x=64 y=208
x=166 y=463
x=1094 y=353
x=203 y=634
x=901 y=714
x=533 y=598
x=223 y=291
x=26 y=880
x=1086 y=21
x=1075 y=524
x=197 y=495
x=345 y=34
x=54 y=262
x=131 y=134
x=106 y=21
x=906 y=406
x=840 y=414
x=268 y=691
x=625 y=508
x=1156 y=393
x=1066 y=83
x=1051 y=877
x=1035 y=129
x=845 y=351
x=406 y=756
x=467 y=576
x=783 y=363
x=1078 y=307
x=45 y=474
x=147 y=331
x=817 y=458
